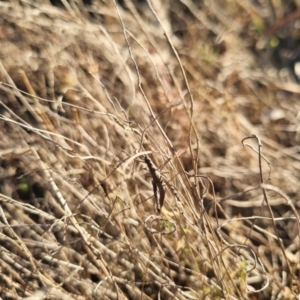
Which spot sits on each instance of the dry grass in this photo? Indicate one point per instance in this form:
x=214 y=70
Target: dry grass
x=88 y=93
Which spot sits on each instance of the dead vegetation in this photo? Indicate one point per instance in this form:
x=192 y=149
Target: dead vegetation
x=98 y=99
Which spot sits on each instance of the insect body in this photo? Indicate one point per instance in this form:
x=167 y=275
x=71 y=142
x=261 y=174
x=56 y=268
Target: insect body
x=159 y=186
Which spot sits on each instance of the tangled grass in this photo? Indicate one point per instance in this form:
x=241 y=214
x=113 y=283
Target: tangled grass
x=149 y=150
